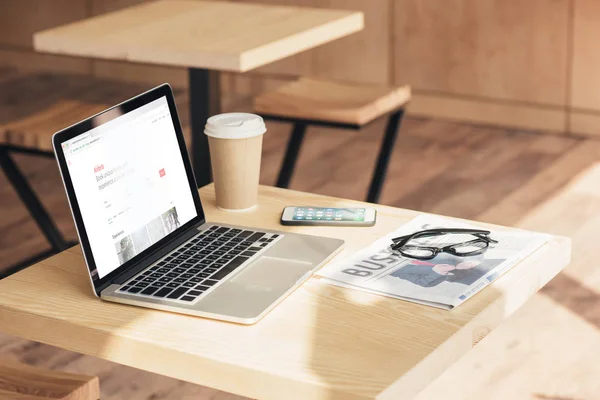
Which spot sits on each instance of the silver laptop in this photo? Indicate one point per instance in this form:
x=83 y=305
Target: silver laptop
x=143 y=231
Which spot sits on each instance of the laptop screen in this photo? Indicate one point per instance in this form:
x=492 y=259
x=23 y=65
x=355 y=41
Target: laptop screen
x=130 y=182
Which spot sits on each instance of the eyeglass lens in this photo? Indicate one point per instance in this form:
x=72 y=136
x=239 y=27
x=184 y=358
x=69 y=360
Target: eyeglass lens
x=468 y=248
x=416 y=252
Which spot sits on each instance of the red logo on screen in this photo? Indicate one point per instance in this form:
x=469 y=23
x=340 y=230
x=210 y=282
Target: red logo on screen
x=161 y=172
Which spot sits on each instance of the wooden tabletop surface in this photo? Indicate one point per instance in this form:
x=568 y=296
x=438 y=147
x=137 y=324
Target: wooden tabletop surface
x=218 y=35
x=322 y=342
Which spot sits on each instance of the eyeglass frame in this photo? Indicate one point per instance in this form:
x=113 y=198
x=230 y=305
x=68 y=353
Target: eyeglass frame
x=482 y=236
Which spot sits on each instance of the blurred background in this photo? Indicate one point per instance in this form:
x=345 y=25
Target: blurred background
x=503 y=127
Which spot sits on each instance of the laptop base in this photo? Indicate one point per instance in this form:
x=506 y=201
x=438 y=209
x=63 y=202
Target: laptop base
x=253 y=290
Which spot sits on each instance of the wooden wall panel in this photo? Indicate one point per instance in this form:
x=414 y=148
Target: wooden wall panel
x=501 y=49
x=585 y=80
x=587 y=124
x=19 y=19
x=503 y=114
x=28 y=61
x=500 y=62
x=361 y=57
x=104 y=6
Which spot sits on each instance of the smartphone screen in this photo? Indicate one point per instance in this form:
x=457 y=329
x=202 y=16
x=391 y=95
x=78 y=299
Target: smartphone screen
x=329 y=214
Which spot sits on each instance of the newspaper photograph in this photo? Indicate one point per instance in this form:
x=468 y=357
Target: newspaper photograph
x=446 y=280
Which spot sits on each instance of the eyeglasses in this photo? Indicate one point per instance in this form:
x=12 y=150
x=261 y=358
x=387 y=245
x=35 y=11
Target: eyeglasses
x=473 y=247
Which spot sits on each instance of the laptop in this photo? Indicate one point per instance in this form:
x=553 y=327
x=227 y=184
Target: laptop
x=143 y=231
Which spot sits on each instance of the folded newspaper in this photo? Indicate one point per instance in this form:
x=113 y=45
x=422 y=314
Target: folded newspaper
x=445 y=281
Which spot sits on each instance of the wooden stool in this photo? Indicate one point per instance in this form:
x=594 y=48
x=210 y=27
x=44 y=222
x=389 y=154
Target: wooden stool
x=23 y=382
x=32 y=108
x=350 y=106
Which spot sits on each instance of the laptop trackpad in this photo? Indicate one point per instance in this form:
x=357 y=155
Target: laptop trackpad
x=270 y=272
x=254 y=289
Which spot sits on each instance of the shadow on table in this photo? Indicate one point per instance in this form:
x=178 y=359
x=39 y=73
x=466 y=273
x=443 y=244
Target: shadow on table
x=576 y=297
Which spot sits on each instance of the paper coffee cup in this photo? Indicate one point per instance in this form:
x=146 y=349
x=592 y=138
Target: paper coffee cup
x=235 y=141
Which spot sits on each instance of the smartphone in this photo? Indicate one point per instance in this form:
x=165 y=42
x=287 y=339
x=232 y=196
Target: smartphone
x=328 y=216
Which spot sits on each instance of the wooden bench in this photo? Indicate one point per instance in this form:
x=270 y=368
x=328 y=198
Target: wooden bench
x=23 y=382
x=35 y=106
x=341 y=105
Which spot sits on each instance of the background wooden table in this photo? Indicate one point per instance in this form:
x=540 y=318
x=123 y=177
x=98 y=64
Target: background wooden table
x=321 y=342
x=205 y=37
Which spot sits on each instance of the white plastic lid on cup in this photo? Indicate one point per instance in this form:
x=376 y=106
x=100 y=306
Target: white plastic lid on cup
x=235 y=126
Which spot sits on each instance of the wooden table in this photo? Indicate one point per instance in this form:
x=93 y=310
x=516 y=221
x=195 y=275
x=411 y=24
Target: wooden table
x=205 y=37
x=322 y=342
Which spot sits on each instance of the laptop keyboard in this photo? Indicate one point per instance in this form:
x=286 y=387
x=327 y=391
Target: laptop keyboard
x=200 y=264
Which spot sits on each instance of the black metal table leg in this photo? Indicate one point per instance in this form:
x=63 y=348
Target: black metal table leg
x=31 y=201
x=34 y=206
x=383 y=159
x=204 y=103
x=291 y=155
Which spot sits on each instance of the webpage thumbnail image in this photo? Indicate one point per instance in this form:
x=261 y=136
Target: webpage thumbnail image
x=139 y=240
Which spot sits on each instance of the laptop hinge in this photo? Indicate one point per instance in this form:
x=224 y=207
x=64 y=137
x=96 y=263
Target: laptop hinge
x=152 y=258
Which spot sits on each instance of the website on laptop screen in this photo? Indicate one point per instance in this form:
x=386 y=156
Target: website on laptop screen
x=130 y=183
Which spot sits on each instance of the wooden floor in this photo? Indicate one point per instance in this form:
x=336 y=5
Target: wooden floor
x=465 y=171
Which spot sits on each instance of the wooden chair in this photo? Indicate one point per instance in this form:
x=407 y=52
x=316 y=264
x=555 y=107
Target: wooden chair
x=23 y=382
x=32 y=108
x=323 y=103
